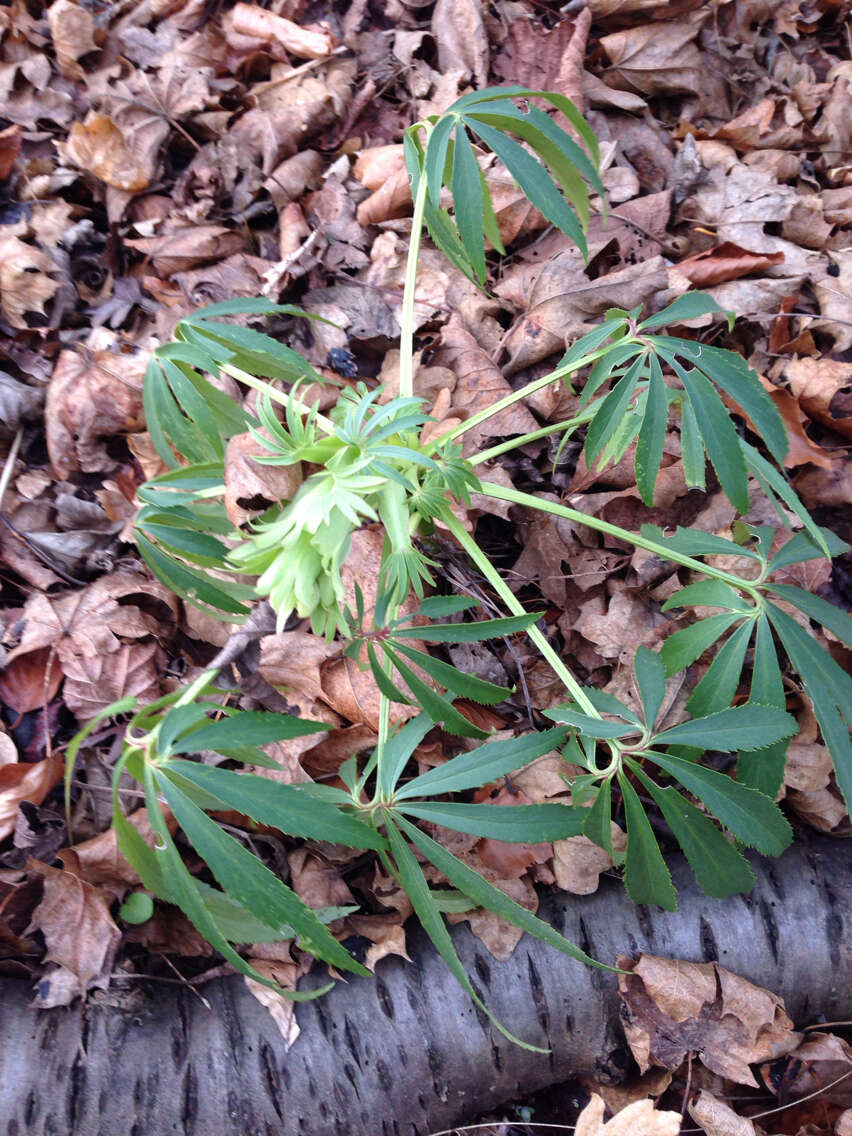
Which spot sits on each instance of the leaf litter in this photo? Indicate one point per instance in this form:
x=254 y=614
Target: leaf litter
x=155 y=161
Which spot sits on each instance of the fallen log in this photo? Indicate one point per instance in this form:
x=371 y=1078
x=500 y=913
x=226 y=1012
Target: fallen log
x=407 y=1053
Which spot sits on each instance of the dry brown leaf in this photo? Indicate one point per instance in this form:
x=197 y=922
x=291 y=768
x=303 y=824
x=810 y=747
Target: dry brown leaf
x=99 y=146
x=79 y=932
x=316 y=882
x=802 y=449
x=821 y=1059
x=834 y=295
x=479 y=384
x=661 y=59
x=281 y=1010
x=718 y=1119
x=672 y=1008
x=769 y=124
x=578 y=862
x=10 y=148
x=564 y=302
x=499 y=937
x=382 y=169
x=823 y=388
x=88 y=621
x=30 y=681
x=386 y=934
x=303 y=42
x=459 y=30
x=184 y=248
x=250 y=486
x=638 y=1119
x=724 y=262
x=101 y=862
x=92 y=683
x=71 y=28
x=25 y=285
x=92 y=395
x=23 y=781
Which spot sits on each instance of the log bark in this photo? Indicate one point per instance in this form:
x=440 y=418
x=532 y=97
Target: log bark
x=407 y=1054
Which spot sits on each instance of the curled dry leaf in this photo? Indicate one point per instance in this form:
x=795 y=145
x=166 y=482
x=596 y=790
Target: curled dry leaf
x=30 y=681
x=821 y=1059
x=99 y=146
x=726 y=261
x=658 y=59
x=25 y=284
x=303 y=42
x=71 y=28
x=673 y=1008
x=23 y=781
x=92 y=395
x=638 y=1119
x=718 y=1119
x=273 y=960
x=10 y=148
x=79 y=932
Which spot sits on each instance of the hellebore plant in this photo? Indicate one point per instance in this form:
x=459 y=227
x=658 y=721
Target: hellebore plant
x=367 y=464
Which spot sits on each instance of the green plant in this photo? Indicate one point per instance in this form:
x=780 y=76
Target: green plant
x=367 y=464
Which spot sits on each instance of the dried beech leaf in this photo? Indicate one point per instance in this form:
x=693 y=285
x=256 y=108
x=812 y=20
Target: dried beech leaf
x=79 y=931
x=25 y=285
x=99 y=146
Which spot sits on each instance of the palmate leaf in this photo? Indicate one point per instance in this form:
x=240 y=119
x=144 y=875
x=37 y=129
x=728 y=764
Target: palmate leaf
x=281 y=806
x=483 y=764
x=550 y=167
x=753 y=818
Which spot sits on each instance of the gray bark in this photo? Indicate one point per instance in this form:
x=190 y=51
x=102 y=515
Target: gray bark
x=407 y=1053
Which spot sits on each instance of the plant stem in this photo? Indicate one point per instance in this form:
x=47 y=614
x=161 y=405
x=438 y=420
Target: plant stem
x=568 y=424
x=512 y=603
x=518 y=395
x=406 y=341
x=515 y=497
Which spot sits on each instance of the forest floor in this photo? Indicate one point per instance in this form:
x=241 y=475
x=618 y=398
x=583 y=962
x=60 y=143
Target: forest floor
x=159 y=156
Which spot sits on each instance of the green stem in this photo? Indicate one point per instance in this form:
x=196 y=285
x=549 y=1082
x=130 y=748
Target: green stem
x=406 y=341
x=515 y=497
x=567 y=424
x=518 y=395
x=281 y=397
x=512 y=603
